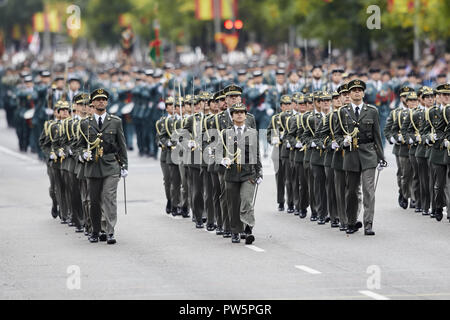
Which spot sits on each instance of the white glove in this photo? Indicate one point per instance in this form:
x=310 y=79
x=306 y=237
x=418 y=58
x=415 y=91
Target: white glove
x=259 y=180
x=410 y=141
x=275 y=140
x=61 y=154
x=399 y=139
x=87 y=155
x=49 y=111
x=393 y=140
x=226 y=162
x=288 y=145
x=269 y=112
x=70 y=151
x=191 y=143
x=169 y=144
x=334 y=145
x=52 y=156
x=379 y=167
x=427 y=141
x=298 y=145
x=434 y=136
x=263 y=88
x=80 y=159
x=123 y=173
x=347 y=141
x=418 y=138
x=446 y=143
x=281 y=134
x=210 y=152
x=313 y=145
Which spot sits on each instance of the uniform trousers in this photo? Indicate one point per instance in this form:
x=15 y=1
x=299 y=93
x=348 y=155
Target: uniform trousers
x=354 y=180
x=240 y=198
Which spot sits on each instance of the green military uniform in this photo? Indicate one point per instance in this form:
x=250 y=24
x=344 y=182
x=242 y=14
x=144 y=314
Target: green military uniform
x=242 y=173
x=358 y=134
x=104 y=166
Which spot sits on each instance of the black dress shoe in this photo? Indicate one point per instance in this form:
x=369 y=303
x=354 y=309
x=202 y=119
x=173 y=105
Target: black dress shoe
x=243 y=235
x=369 y=232
x=313 y=218
x=290 y=209
x=185 y=212
x=249 y=239
x=425 y=212
x=219 y=231
x=210 y=227
x=235 y=238
x=102 y=236
x=226 y=234
x=79 y=229
x=432 y=214
x=438 y=214
x=174 y=212
x=54 y=212
x=204 y=220
x=412 y=204
x=418 y=210
x=111 y=239
x=63 y=221
x=199 y=225
x=342 y=227
x=349 y=230
x=327 y=219
x=71 y=224
x=335 y=224
x=321 y=221
x=93 y=238
x=168 y=207
x=296 y=212
x=281 y=207
x=303 y=214
x=404 y=204
x=358 y=225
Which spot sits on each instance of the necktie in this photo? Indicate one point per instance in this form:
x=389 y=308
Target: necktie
x=100 y=123
x=239 y=133
x=357 y=113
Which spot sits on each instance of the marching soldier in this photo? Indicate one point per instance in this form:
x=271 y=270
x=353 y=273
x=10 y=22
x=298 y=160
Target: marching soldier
x=359 y=135
x=105 y=154
x=243 y=172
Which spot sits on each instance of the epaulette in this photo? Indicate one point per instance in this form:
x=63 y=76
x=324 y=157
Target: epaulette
x=371 y=106
x=114 y=117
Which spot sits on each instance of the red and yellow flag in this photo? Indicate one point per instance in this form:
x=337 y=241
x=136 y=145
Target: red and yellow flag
x=204 y=9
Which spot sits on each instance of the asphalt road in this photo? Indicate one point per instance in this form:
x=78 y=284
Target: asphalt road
x=160 y=257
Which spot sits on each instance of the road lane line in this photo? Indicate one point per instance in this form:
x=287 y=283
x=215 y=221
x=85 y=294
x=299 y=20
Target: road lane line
x=254 y=248
x=17 y=155
x=308 y=269
x=373 y=295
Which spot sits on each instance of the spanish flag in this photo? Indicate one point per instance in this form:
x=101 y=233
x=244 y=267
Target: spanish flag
x=204 y=9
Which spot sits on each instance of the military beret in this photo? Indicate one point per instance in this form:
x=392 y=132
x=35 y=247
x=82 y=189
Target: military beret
x=443 y=88
x=99 y=93
x=232 y=90
x=412 y=96
x=285 y=99
x=405 y=90
x=238 y=107
x=81 y=98
x=356 y=84
x=342 y=88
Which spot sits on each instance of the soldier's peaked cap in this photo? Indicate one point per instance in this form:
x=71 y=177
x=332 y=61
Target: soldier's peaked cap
x=232 y=90
x=238 y=107
x=405 y=91
x=81 y=98
x=356 y=84
x=99 y=93
x=443 y=88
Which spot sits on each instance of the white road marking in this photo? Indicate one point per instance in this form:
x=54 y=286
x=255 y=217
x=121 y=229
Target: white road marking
x=254 y=248
x=373 y=295
x=308 y=269
x=17 y=155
